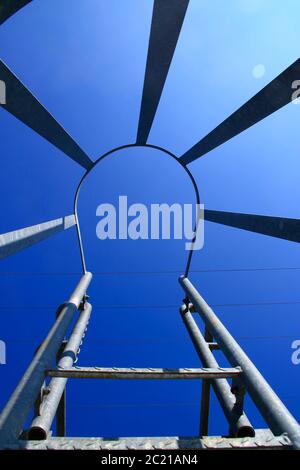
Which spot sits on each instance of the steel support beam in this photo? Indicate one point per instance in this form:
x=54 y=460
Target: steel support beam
x=41 y=424
x=167 y=20
x=22 y=104
x=278 y=227
x=278 y=93
x=238 y=422
x=268 y=403
x=17 y=240
x=149 y=373
x=22 y=400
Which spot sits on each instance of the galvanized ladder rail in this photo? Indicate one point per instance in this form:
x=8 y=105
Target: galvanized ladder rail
x=30 y=387
x=167 y=21
x=230 y=399
x=52 y=395
x=49 y=401
x=267 y=402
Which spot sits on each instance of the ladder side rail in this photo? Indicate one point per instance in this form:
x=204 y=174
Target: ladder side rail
x=41 y=424
x=22 y=400
x=268 y=403
x=238 y=422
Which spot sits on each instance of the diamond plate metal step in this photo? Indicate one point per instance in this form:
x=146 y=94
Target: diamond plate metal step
x=143 y=373
x=263 y=439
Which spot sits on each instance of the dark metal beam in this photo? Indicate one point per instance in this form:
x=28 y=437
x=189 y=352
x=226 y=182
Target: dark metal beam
x=17 y=240
x=272 y=97
x=268 y=403
x=167 y=20
x=22 y=400
x=21 y=103
x=149 y=373
x=10 y=7
x=278 y=227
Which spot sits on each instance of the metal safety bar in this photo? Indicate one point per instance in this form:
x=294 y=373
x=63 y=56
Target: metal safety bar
x=22 y=400
x=268 y=403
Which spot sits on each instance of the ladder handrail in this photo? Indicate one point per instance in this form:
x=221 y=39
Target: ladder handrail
x=267 y=402
x=22 y=400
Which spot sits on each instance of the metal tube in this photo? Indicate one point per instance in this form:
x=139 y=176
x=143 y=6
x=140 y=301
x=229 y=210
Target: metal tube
x=21 y=401
x=41 y=424
x=238 y=423
x=270 y=406
x=80 y=291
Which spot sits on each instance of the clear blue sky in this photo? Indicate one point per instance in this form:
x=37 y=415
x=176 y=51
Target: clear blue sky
x=85 y=61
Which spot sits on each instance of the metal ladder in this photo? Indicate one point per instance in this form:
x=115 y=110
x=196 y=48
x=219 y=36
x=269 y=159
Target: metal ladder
x=50 y=401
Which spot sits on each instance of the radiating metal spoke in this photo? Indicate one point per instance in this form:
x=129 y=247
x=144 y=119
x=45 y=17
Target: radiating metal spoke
x=24 y=106
x=10 y=7
x=279 y=227
x=272 y=97
x=17 y=240
x=167 y=20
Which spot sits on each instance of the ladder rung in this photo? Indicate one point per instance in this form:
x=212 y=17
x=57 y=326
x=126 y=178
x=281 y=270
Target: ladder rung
x=145 y=373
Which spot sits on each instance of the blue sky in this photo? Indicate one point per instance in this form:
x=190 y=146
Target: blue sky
x=85 y=62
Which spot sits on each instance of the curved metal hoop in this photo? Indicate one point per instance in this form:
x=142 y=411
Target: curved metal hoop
x=114 y=150
x=15 y=6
